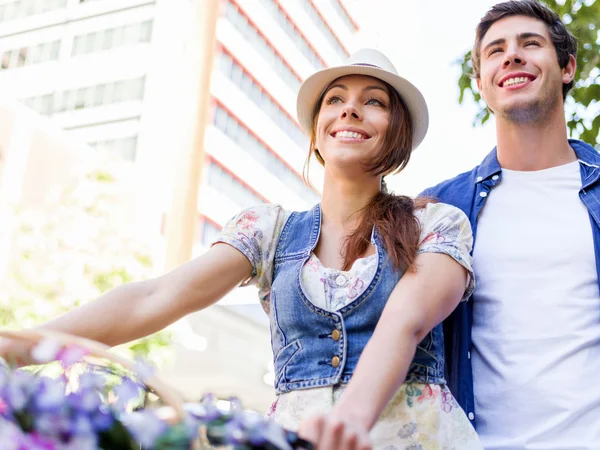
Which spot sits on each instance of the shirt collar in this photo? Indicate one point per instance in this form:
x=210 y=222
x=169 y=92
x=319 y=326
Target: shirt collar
x=489 y=167
x=586 y=154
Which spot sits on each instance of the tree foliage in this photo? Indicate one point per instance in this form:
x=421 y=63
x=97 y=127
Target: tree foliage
x=71 y=251
x=583 y=102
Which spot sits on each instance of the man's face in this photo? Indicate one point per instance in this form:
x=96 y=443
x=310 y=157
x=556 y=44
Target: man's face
x=520 y=78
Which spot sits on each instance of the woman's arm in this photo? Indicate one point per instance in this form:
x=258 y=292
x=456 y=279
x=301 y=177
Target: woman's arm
x=138 y=309
x=420 y=301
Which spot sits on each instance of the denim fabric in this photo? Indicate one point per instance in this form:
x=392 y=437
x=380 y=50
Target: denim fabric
x=302 y=334
x=469 y=192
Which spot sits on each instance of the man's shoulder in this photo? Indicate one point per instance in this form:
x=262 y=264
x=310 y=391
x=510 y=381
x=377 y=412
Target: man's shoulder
x=585 y=152
x=447 y=190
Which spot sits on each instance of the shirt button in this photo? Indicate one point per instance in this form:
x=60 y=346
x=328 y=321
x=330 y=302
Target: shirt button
x=335 y=362
x=469 y=355
x=335 y=335
x=495 y=177
x=340 y=280
x=471 y=416
x=479 y=179
x=483 y=194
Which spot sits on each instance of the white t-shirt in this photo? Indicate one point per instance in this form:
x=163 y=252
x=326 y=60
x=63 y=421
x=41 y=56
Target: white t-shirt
x=536 y=327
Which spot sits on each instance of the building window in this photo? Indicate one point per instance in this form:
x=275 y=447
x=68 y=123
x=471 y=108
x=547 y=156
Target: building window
x=325 y=29
x=124 y=148
x=239 y=134
x=344 y=15
x=270 y=55
x=136 y=33
x=290 y=29
x=210 y=233
x=262 y=99
x=88 y=97
x=25 y=8
x=27 y=56
x=228 y=185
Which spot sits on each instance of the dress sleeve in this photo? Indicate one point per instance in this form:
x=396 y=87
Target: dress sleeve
x=255 y=233
x=446 y=229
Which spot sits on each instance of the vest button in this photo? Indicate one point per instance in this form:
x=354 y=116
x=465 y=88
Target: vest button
x=335 y=362
x=335 y=335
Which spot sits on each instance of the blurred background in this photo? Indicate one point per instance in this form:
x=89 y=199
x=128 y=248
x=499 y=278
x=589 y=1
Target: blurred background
x=132 y=130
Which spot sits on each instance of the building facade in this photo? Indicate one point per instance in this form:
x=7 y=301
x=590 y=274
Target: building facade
x=111 y=73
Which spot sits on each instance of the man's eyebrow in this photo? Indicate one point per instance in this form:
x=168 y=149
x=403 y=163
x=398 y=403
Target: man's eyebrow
x=530 y=34
x=494 y=42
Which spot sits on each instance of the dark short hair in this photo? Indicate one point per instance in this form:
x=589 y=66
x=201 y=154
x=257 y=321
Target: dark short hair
x=562 y=39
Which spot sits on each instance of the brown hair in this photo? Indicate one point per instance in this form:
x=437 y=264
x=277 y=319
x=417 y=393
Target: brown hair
x=391 y=214
x=563 y=41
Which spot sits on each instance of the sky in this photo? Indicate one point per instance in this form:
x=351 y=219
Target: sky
x=424 y=38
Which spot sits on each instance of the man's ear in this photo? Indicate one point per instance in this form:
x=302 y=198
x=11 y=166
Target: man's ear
x=568 y=72
x=478 y=80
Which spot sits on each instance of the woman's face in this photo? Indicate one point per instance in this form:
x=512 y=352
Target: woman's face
x=352 y=121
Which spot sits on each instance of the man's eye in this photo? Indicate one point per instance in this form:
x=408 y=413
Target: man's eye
x=494 y=50
x=536 y=43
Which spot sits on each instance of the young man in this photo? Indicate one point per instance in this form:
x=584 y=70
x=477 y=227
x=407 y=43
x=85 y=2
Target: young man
x=523 y=355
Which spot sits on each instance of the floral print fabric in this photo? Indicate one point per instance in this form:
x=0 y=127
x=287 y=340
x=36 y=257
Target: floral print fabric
x=420 y=416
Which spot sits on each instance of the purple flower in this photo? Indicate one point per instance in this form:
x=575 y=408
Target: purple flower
x=46 y=351
x=50 y=394
x=102 y=420
x=89 y=442
x=81 y=425
x=10 y=435
x=71 y=355
x=126 y=391
x=144 y=369
x=18 y=390
x=4 y=408
x=234 y=432
x=144 y=426
x=90 y=381
x=34 y=441
x=84 y=400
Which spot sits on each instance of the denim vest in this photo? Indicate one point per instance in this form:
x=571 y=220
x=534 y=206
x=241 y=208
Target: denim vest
x=313 y=347
x=469 y=191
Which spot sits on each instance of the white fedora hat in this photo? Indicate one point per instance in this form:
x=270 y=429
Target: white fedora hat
x=372 y=63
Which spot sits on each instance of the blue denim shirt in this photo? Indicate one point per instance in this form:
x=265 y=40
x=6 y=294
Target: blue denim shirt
x=469 y=192
x=314 y=347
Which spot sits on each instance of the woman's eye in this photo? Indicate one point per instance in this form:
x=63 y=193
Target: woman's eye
x=333 y=99
x=375 y=102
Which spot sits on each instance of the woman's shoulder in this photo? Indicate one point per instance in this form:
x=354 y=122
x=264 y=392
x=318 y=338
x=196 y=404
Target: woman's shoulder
x=434 y=212
x=262 y=213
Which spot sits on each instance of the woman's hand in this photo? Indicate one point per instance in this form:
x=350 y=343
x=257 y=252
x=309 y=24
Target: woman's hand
x=16 y=352
x=334 y=432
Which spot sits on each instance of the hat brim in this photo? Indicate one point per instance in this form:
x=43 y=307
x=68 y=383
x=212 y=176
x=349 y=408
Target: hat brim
x=313 y=88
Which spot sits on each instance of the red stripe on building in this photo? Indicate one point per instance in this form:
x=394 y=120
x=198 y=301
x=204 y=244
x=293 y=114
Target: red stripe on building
x=269 y=43
x=268 y=94
x=257 y=137
x=330 y=28
x=356 y=27
x=211 y=160
x=293 y=22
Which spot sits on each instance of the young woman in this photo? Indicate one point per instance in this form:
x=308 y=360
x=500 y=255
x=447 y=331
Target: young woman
x=355 y=288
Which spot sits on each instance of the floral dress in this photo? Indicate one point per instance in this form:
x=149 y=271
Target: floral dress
x=419 y=416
